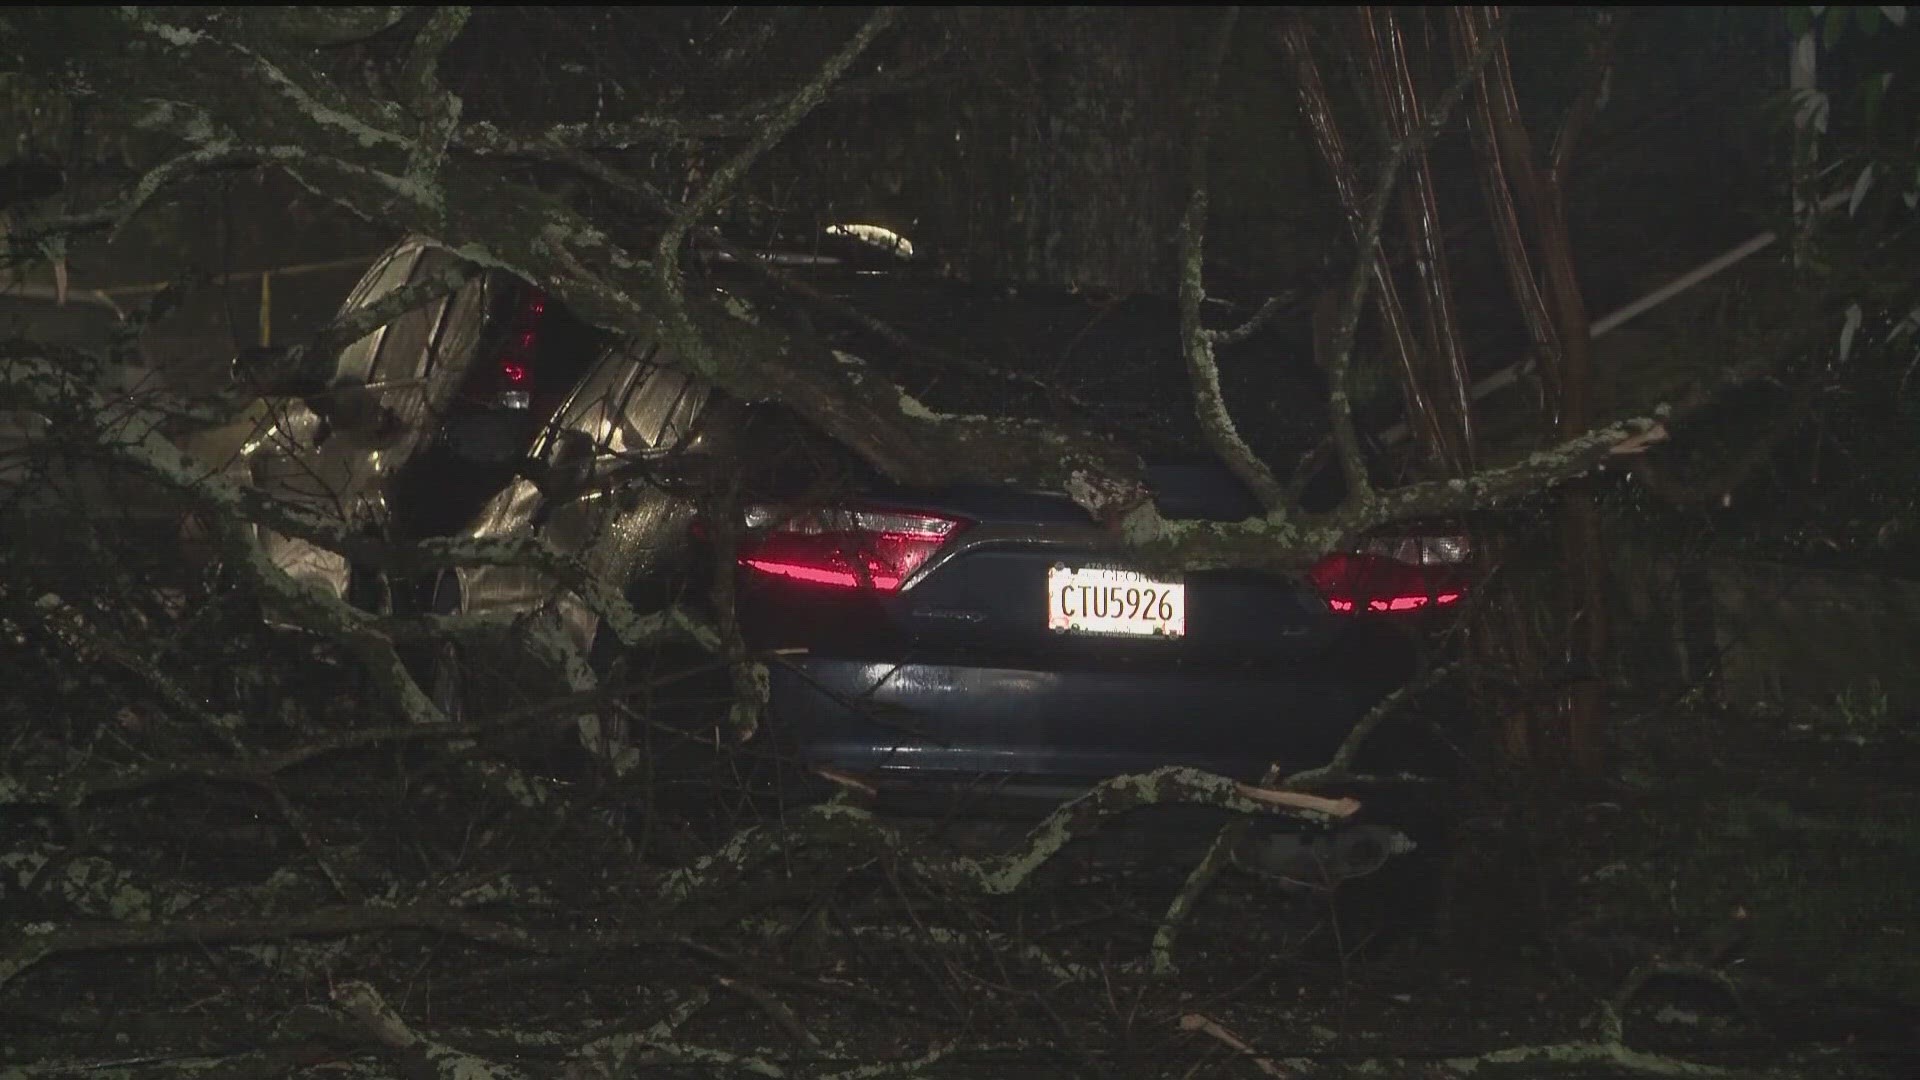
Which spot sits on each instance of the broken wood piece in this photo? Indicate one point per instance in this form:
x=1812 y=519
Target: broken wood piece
x=851 y=784
x=1342 y=807
x=1202 y=1023
x=1636 y=444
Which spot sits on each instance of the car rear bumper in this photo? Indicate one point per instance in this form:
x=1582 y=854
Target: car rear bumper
x=908 y=720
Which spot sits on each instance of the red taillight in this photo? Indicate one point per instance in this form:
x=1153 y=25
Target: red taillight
x=1394 y=574
x=843 y=548
x=514 y=367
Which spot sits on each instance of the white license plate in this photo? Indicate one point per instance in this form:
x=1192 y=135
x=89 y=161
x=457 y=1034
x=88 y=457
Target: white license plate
x=1096 y=600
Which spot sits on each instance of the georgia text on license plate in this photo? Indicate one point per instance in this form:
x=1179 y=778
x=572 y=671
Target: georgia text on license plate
x=1097 y=600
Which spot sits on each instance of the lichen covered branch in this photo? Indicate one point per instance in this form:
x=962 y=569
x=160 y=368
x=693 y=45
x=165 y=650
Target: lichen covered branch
x=1203 y=371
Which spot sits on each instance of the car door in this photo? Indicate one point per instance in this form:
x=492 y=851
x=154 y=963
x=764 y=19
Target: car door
x=597 y=498
x=335 y=452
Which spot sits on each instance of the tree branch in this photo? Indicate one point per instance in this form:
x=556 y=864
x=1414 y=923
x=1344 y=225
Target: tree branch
x=847 y=826
x=1287 y=540
x=438 y=110
x=313 y=359
x=534 y=140
x=1399 y=339
x=24 y=945
x=1346 y=442
x=1340 y=765
x=41 y=385
x=778 y=126
x=1273 y=305
x=1209 y=403
x=1442 y=375
x=1498 y=189
x=1228 y=840
x=328 y=114
x=667 y=252
x=114 y=214
x=624 y=183
x=1600 y=65
x=436 y=34
x=74 y=791
x=539 y=239
x=424 y=1056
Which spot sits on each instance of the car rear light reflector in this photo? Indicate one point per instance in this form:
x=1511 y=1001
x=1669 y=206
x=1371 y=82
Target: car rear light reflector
x=514 y=366
x=1394 y=574
x=843 y=548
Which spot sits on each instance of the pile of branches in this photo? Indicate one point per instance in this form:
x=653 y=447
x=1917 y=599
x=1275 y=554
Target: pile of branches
x=237 y=832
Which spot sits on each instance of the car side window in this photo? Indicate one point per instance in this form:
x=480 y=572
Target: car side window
x=403 y=348
x=630 y=403
x=393 y=270
x=593 y=407
x=661 y=407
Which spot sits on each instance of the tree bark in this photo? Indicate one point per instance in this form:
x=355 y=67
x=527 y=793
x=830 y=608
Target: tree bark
x=1582 y=550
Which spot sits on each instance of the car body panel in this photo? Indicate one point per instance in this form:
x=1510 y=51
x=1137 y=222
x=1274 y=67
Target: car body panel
x=337 y=453
x=958 y=671
x=388 y=437
x=628 y=410
x=985 y=589
x=1083 y=720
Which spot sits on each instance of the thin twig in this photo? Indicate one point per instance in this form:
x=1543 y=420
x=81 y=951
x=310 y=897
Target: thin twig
x=1341 y=764
x=1273 y=305
x=1227 y=841
x=321 y=347
x=776 y=127
x=775 y=1009
x=1213 y=1028
x=1346 y=442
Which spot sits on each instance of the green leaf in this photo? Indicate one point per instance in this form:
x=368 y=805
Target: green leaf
x=1869 y=18
x=1798 y=19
